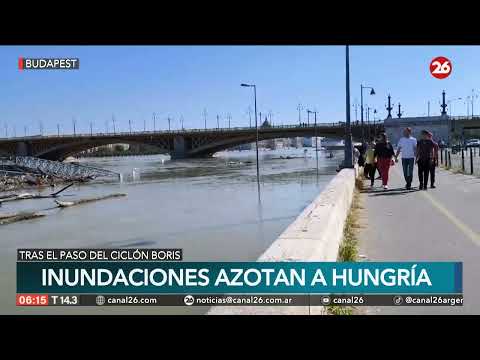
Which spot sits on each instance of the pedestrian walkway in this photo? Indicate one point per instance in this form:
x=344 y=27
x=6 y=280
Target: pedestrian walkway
x=441 y=224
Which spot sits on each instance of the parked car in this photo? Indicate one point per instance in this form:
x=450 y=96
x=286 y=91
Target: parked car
x=456 y=148
x=473 y=143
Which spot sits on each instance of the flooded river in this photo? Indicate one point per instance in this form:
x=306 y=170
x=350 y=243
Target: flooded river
x=208 y=207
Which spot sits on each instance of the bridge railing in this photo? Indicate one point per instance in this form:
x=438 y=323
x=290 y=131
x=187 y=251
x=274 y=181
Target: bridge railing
x=178 y=131
x=475 y=117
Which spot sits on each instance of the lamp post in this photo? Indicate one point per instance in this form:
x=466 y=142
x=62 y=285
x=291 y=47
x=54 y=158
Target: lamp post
x=91 y=128
x=348 y=162
x=130 y=125
x=256 y=130
x=205 y=118
x=113 y=123
x=299 y=108
x=372 y=92
x=451 y=102
x=316 y=138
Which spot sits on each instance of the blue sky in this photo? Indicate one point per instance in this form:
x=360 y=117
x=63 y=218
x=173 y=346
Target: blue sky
x=173 y=81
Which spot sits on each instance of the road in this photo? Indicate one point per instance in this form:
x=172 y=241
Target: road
x=441 y=224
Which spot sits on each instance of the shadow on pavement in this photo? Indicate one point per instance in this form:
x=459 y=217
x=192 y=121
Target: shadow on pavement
x=395 y=191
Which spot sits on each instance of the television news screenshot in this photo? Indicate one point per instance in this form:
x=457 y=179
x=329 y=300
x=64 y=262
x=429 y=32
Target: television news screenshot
x=332 y=180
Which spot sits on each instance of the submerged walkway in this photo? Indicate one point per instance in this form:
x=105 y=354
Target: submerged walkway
x=441 y=224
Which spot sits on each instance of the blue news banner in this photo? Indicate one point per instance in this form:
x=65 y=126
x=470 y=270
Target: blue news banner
x=178 y=283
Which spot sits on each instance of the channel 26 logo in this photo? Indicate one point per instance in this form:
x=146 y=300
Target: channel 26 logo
x=440 y=67
x=189 y=300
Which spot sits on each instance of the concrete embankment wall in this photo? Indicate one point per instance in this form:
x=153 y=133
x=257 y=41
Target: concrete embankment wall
x=315 y=235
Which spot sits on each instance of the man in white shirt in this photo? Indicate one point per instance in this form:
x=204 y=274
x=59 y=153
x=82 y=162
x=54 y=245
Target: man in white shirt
x=407 y=145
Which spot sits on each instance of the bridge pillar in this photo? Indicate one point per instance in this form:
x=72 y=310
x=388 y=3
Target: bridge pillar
x=23 y=149
x=179 y=149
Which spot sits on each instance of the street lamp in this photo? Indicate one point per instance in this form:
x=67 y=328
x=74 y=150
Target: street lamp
x=256 y=130
x=299 y=108
x=372 y=92
x=348 y=162
x=205 y=117
x=249 y=112
x=316 y=137
x=452 y=101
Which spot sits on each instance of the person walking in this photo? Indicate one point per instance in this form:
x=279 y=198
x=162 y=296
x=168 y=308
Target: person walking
x=384 y=154
x=370 y=164
x=434 y=163
x=424 y=159
x=407 y=145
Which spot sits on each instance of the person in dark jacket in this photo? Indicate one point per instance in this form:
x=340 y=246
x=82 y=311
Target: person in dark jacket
x=434 y=163
x=384 y=154
x=425 y=158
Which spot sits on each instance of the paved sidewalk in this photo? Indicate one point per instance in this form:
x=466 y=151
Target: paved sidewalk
x=441 y=224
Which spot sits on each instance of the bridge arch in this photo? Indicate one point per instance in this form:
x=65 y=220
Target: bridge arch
x=62 y=151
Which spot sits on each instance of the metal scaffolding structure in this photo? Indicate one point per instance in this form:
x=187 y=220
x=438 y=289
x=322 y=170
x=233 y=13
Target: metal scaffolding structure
x=61 y=169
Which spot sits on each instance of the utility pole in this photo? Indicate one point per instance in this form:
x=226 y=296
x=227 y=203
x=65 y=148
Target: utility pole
x=154 y=125
x=91 y=129
x=250 y=116
x=58 y=129
x=168 y=123
x=218 y=122
x=229 y=117
x=130 y=125
x=113 y=122
x=25 y=130
x=144 y=125
x=181 y=121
